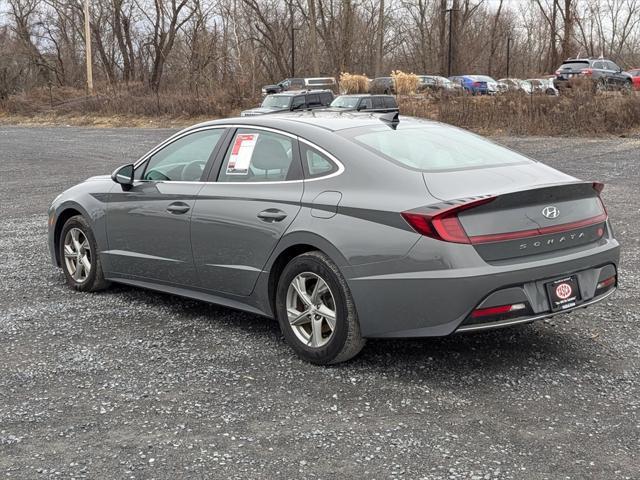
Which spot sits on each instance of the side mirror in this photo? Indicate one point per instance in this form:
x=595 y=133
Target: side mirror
x=123 y=175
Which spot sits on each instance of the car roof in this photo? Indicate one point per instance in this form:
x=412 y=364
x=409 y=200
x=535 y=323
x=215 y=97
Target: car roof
x=364 y=95
x=326 y=120
x=290 y=93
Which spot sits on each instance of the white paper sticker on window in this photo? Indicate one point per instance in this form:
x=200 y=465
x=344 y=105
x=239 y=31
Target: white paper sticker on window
x=241 y=154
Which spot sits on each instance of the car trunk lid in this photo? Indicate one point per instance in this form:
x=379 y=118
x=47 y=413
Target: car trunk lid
x=509 y=216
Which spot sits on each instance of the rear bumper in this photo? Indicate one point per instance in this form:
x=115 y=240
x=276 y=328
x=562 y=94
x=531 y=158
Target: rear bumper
x=532 y=318
x=405 y=302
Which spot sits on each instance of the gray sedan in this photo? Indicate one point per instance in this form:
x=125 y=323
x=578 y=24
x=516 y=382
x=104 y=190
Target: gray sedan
x=343 y=227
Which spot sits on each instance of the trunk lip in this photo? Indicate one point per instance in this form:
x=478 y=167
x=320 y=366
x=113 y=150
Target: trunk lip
x=537 y=232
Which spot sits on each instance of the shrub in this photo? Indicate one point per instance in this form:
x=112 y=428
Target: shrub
x=406 y=83
x=353 y=83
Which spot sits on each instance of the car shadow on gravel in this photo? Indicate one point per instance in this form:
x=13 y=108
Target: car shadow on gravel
x=538 y=344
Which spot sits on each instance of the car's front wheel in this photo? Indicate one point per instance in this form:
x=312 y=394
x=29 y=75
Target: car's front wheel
x=315 y=310
x=78 y=252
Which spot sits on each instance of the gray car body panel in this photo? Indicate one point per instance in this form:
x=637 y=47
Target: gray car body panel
x=403 y=284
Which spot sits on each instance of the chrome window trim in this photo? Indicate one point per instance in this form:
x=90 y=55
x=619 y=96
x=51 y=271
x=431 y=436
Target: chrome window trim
x=177 y=136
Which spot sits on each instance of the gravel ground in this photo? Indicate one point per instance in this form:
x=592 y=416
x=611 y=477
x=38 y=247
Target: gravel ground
x=133 y=384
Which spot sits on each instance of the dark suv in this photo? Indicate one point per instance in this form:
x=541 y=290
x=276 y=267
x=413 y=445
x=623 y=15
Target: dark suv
x=291 y=101
x=364 y=102
x=604 y=74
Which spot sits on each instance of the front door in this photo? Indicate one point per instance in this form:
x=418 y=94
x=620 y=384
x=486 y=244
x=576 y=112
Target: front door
x=245 y=208
x=148 y=225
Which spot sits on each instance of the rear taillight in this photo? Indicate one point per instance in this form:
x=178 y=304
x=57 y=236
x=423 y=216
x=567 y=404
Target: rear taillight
x=443 y=224
x=606 y=283
x=598 y=187
x=586 y=71
x=558 y=72
x=500 y=310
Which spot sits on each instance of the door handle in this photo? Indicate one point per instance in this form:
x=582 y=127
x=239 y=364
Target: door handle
x=178 y=208
x=272 y=215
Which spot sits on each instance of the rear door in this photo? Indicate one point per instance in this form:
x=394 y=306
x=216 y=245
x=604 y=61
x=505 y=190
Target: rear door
x=252 y=196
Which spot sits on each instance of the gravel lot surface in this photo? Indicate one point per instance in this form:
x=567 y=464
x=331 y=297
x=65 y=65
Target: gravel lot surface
x=134 y=384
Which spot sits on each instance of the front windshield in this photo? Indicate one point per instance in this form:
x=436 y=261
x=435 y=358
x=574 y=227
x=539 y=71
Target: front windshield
x=433 y=147
x=276 y=101
x=345 y=102
x=484 y=78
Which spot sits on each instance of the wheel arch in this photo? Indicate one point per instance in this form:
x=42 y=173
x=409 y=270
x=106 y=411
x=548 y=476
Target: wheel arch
x=290 y=247
x=65 y=213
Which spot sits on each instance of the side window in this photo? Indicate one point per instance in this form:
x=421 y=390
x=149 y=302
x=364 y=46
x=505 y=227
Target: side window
x=613 y=66
x=182 y=160
x=390 y=102
x=260 y=156
x=598 y=65
x=313 y=99
x=326 y=98
x=316 y=164
x=365 y=104
x=377 y=102
x=297 y=102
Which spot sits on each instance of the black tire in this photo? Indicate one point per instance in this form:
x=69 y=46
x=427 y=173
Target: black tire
x=346 y=340
x=95 y=280
x=627 y=88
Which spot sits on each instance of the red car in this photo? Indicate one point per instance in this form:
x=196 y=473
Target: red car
x=635 y=73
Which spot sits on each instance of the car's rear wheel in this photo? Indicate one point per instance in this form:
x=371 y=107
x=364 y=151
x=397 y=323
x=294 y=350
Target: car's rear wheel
x=316 y=312
x=79 y=256
x=627 y=87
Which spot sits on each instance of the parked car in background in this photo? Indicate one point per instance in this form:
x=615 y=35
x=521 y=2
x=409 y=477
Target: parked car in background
x=543 y=86
x=312 y=83
x=437 y=83
x=604 y=74
x=384 y=85
x=364 y=102
x=516 y=85
x=291 y=101
x=476 y=84
x=635 y=77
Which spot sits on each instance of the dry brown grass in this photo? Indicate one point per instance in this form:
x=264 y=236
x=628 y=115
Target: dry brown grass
x=133 y=103
x=353 y=83
x=579 y=113
x=405 y=83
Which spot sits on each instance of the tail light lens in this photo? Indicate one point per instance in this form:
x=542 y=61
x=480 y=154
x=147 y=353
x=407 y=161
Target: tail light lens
x=443 y=224
x=500 y=310
x=586 y=71
x=558 y=72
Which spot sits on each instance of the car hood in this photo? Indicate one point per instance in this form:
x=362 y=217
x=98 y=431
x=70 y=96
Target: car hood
x=261 y=110
x=452 y=185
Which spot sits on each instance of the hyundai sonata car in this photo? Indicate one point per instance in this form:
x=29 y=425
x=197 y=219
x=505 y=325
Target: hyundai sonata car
x=343 y=227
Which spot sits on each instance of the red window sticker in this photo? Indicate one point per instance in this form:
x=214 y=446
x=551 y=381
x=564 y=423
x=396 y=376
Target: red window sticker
x=241 y=154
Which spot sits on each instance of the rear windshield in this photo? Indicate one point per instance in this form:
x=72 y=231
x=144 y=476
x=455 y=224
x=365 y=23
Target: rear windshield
x=433 y=148
x=573 y=64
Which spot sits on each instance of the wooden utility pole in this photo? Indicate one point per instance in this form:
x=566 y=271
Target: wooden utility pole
x=87 y=42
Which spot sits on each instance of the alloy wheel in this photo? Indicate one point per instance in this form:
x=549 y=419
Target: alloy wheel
x=311 y=309
x=77 y=255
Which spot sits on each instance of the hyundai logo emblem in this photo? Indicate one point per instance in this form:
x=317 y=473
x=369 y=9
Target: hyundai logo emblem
x=551 y=212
